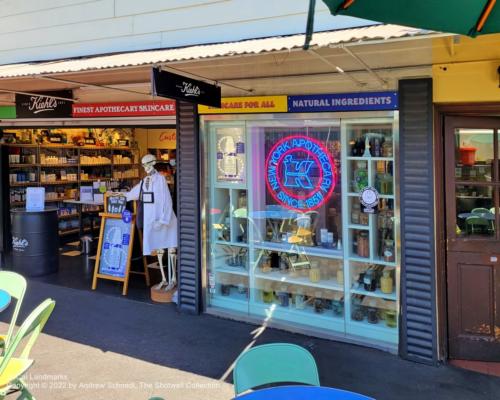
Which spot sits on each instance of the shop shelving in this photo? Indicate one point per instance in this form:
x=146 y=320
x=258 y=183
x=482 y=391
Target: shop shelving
x=353 y=262
x=223 y=197
x=75 y=152
x=330 y=284
x=232 y=270
x=309 y=250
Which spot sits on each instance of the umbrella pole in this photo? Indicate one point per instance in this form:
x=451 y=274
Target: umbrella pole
x=484 y=17
x=310 y=24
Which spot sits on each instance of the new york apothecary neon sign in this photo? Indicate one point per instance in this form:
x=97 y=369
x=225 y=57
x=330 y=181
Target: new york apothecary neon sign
x=300 y=173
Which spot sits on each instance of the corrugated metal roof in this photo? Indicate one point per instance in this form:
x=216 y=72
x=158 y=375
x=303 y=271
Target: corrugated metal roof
x=254 y=46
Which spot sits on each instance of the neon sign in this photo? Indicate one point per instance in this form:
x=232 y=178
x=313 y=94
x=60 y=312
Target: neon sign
x=300 y=173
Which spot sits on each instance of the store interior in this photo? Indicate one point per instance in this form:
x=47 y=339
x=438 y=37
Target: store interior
x=100 y=159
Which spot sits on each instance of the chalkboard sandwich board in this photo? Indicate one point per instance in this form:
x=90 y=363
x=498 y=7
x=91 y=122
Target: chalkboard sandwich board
x=116 y=238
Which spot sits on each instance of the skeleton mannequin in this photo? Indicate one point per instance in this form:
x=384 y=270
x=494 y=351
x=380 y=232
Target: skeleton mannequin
x=159 y=220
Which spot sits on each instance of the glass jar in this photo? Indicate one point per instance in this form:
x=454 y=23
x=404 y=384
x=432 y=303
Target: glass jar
x=283 y=296
x=387 y=150
x=340 y=276
x=265 y=263
x=300 y=300
x=267 y=294
x=324 y=269
x=314 y=272
x=355 y=213
x=338 y=308
x=318 y=304
x=242 y=289
x=391 y=319
x=284 y=263
x=388 y=250
x=357 y=313
x=363 y=218
x=225 y=287
x=372 y=313
x=386 y=283
x=385 y=184
x=369 y=281
x=363 y=247
x=242 y=200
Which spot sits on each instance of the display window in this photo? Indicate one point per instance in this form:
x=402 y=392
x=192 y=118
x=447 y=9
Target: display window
x=301 y=222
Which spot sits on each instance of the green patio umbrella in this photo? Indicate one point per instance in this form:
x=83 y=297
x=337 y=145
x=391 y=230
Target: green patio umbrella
x=466 y=17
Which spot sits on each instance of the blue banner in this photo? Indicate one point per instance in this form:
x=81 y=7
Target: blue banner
x=368 y=101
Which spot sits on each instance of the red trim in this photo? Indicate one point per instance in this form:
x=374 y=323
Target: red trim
x=124 y=109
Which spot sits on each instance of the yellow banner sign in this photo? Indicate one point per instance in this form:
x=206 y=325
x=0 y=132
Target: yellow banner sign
x=244 y=105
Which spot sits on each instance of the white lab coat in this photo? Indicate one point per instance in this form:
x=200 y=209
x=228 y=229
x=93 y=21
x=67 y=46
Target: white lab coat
x=157 y=236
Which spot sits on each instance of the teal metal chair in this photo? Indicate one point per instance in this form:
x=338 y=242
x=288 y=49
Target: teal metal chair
x=274 y=363
x=15 y=285
x=481 y=210
x=13 y=368
x=477 y=225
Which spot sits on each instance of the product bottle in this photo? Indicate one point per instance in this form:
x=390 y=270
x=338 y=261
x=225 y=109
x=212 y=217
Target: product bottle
x=389 y=250
x=340 y=276
x=369 y=282
x=386 y=284
x=314 y=272
x=360 y=176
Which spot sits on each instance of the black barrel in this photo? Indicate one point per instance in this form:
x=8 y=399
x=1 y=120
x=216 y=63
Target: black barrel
x=35 y=241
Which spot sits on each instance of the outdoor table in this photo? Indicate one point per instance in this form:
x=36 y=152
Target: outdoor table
x=486 y=215
x=80 y=205
x=4 y=300
x=274 y=218
x=302 y=393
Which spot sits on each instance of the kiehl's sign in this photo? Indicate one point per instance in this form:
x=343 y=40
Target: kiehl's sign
x=166 y=84
x=43 y=105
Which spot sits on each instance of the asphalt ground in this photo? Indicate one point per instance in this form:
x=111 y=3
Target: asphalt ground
x=101 y=346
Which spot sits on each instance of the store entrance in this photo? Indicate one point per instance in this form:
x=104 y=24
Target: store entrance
x=473 y=237
x=75 y=167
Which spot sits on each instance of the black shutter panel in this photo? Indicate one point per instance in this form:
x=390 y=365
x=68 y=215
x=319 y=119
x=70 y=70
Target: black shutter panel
x=188 y=208
x=418 y=337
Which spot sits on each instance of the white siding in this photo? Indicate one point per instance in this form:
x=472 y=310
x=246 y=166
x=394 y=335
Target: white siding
x=33 y=30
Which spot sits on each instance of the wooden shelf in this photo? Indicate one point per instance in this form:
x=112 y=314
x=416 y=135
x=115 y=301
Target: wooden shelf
x=95 y=180
x=97 y=165
x=58 y=183
x=23 y=184
x=56 y=200
x=22 y=165
x=69 y=232
x=19 y=145
x=68 y=165
x=69 y=216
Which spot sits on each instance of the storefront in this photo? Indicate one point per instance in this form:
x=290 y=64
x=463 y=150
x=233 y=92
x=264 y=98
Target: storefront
x=467 y=109
x=301 y=213
x=271 y=224
x=95 y=148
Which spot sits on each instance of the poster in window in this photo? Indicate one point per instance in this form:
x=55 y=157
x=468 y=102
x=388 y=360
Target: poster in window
x=231 y=155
